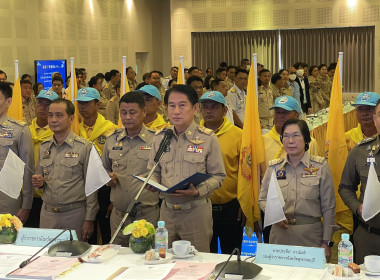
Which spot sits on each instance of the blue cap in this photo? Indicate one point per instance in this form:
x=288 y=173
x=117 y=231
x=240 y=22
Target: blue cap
x=88 y=94
x=48 y=94
x=367 y=98
x=214 y=96
x=286 y=102
x=161 y=223
x=151 y=90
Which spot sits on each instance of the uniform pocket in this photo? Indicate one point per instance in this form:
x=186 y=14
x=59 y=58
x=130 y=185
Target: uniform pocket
x=284 y=185
x=47 y=167
x=70 y=168
x=194 y=163
x=309 y=188
x=4 y=147
x=167 y=165
x=117 y=160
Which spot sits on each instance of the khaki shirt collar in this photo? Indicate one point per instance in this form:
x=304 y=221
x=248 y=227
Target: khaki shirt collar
x=69 y=140
x=305 y=160
x=141 y=135
x=189 y=133
x=238 y=90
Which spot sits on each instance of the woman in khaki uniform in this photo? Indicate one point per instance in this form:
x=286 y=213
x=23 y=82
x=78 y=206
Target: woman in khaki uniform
x=316 y=99
x=307 y=187
x=326 y=84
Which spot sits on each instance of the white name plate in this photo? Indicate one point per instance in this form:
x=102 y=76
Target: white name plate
x=39 y=237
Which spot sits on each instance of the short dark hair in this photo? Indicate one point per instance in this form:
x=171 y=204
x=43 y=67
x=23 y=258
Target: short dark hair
x=186 y=90
x=70 y=109
x=113 y=73
x=100 y=75
x=128 y=68
x=194 y=78
x=311 y=68
x=191 y=69
x=321 y=65
x=107 y=76
x=220 y=70
x=241 y=70
x=171 y=81
x=230 y=67
x=5 y=89
x=57 y=78
x=297 y=65
x=154 y=71
x=93 y=81
x=223 y=64
x=331 y=67
x=134 y=97
x=174 y=67
x=206 y=83
x=25 y=82
x=304 y=130
x=35 y=87
x=207 y=70
x=23 y=77
x=305 y=65
x=78 y=72
x=244 y=60
x=215 y=83
x=2 y=72
x=262 y=71
x=275 y=78
x=282 y=70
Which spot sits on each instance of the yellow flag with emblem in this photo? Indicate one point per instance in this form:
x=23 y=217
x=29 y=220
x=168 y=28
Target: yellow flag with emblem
x=15 y=109
x=122 y=81
x=252 y=154
x=73 y=94
x=336 y=148
x=180 y=80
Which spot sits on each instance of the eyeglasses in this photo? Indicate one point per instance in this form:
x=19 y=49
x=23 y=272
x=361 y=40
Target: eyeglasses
x=294 y=136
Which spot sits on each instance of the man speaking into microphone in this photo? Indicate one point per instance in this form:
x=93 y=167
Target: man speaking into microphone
x=187 y=213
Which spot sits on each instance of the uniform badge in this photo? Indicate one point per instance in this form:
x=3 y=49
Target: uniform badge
x=194 y=149
x=46 y=154
x=311 y=171
x=196 y=141
x=281 y=174
x=71 y=155
x=189 y=132
x=371 y=156
x=6 y=135
x=102 y=139
x=46 y=172
x=116 y=163
x=118 y=147
x=145 y=147
x=167 y=149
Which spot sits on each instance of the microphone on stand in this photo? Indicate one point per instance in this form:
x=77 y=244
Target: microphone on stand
x=246 y=269
x=26 y=262
x=163 y=145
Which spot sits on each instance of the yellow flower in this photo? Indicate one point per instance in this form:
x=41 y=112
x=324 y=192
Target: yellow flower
x=144 y=231
x=141 y=224
x=16 y=222
x=4 y=220
x=136 y=233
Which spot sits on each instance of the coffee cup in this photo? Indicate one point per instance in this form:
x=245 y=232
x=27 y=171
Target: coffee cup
x=372 y=263
x=181 y=248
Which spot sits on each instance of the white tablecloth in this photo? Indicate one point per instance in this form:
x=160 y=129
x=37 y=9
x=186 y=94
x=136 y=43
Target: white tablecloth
x=126 y=258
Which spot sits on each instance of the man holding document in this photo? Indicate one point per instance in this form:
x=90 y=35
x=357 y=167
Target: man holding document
x=187 y=213
x=126 y=153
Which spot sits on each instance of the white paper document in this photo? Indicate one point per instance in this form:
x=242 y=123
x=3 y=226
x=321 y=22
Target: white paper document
x=371 y=205
x=274 y=211
x=146 y=272
x=11 y=175
x=96 y=176
x=10 y=262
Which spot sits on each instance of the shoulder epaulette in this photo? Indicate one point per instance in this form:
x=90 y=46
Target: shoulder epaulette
x=159 y=131
x=233 y=89
x=47 y=140
x=113 y=98
x=275 y=161
x=366 y=140
x=21 y=123
x=205 y=130
x=112 y=132
x=81 y=139
x=318 y=159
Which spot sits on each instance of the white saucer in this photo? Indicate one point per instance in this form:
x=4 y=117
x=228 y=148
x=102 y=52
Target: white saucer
x=193 y=254
x=372 y=273
x=160 y=260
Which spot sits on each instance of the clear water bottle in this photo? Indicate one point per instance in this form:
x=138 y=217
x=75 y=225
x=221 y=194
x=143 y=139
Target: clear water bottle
x=161 y=239
x=345 y=250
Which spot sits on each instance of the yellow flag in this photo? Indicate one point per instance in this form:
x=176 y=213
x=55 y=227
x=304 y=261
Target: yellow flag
x=75 y=126
x=15 y=110
x=336 y=148
x=119 y=123
x=252 y=153
x=180 y=80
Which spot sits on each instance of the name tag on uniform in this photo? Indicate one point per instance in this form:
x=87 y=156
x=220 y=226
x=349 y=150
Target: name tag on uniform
x=194 y=149
x=6 y=135
x=145 y=147
x=71 y=155
x=117 y=148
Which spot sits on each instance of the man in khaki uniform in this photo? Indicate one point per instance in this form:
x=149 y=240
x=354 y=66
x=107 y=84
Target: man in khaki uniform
x=231 y=71
x=61 y=171
x=15 y=135
x=237 y=95
x=355 y=172
x=126 y=153
x=265 y=99
x=187 y=213
x=155 y=80
x=173 y=76
x=112 y=109
x=96 y=83
x=152 y=97
x=284 y=108
x=40 y=132
x=277 y=84
x=196 y=83
x=110 y=90
x=28 y=102
x=131 y=77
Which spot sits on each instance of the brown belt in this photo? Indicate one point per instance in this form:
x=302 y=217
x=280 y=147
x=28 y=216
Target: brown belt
x=64 y=207
x=300 y=220
x=184 y=206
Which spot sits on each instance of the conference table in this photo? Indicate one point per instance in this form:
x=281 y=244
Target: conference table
x=126 y=258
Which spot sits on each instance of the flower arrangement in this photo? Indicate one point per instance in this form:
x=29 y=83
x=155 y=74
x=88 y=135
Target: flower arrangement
x=140 y=228
x=9 y=226
x=142 y=238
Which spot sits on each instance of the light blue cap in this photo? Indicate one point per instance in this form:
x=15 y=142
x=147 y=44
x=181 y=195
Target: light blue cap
x=151 y=90
x=286 y=102
x=367 y=98
x=214 y=96
x=48 y=94
x=88 y=94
